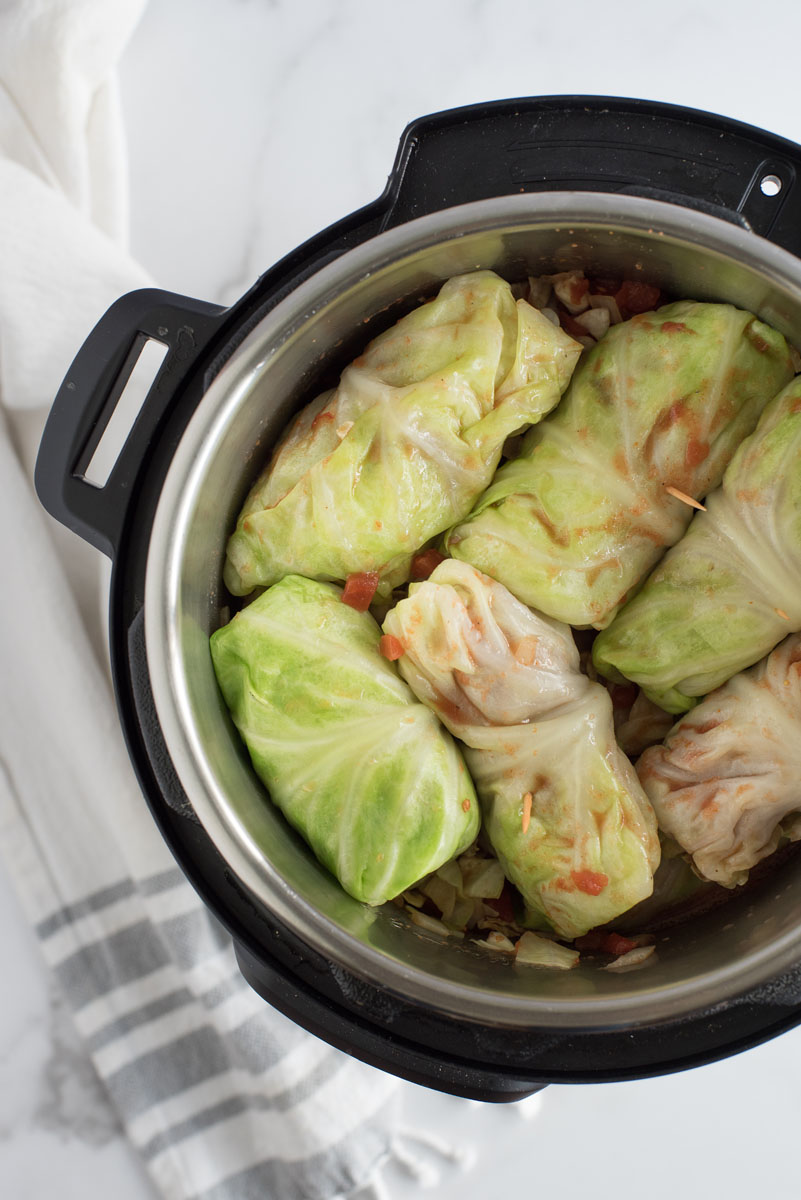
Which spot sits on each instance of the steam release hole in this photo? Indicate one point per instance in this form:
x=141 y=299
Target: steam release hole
x=770 y=185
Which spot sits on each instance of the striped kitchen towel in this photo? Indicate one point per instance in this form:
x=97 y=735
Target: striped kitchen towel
x=222 y=1096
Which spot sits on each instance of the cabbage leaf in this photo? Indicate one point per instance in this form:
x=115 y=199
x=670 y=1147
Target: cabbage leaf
x=411 y=436
x=731 y=589
x=726 y=784
x=365 y=773
x=562 y=806
x=663 y=400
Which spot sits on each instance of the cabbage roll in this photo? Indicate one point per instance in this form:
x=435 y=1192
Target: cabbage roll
x=726 y=784
x=663 y=401
x=731 y=589
x=365 y=773
x=411 y=436
x=562 y=807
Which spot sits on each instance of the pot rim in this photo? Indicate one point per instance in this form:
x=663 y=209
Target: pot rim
x=554 y=211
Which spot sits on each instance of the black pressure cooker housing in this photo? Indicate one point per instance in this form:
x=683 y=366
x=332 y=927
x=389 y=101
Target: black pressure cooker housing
x=577 y=144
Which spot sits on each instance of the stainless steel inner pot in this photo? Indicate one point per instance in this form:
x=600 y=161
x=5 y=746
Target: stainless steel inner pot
x=689 y=254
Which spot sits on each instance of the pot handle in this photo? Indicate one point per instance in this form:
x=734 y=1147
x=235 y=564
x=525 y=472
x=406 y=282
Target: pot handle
x=89 y=395
x=605 y=144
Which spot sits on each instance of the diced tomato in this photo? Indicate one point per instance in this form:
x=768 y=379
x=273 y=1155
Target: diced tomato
x=360 y=589
x=391 y=647
x=634 y=297
x=425 y=562
x=592 y=883
x=607 y=943
x=615 y=943
x=504 y=905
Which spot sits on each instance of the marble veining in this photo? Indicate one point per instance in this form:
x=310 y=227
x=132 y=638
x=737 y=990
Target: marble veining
x=72 y=1102
x=58 y=1134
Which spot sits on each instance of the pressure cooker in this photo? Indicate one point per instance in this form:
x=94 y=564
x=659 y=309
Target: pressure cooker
x=704 y=207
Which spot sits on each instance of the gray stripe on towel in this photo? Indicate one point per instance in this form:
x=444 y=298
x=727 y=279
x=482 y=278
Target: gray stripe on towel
x=92 y=903
x=178 y=998
x=111 y=962
x=224 y=990
x=256 y=1045
x=194 y=936
x=183 y=941
x=297 y=1092
x=105 y=897
x=163 y=881
x=167 y=1071
x=120 y=1026
x=234 y=1106
x=331 y=1172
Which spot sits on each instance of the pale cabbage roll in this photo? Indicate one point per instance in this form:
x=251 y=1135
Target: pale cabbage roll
x=731 y=589
x=365 y=773
x=411 y=436
x=726 y=784
x=562 y=806
x=663 y=400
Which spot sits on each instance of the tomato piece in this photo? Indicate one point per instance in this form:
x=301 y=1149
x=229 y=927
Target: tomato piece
x=592 y=883
x=637 y=297
x=391 y=647
x=615 y=943
x=605 y=942
x=424 y=563
x=360 y=589
x=504 y=904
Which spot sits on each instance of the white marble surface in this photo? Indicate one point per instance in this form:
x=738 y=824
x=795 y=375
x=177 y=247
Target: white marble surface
x=252 y=124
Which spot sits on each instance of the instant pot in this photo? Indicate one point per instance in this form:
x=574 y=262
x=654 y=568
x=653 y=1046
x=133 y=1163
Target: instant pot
x=704 y=207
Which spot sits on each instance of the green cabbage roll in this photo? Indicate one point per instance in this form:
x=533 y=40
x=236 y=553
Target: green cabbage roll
x=561 y=803
x=663 y=401
x=726 y=784
x=411 y=436
x=365 y=773
x=731 y=589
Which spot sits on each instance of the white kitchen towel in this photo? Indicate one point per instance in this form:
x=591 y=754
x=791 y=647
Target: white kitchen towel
x=223 y=1097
